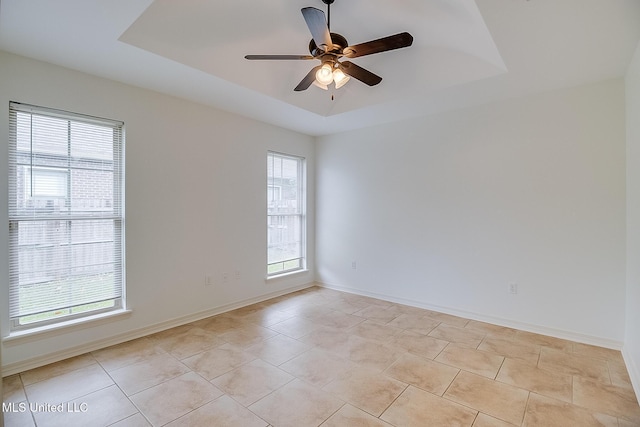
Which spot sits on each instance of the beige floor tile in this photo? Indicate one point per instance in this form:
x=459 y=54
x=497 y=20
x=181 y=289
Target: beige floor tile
x=512 y=349
x=420 y=345
x=499 y=400
x=462 y=337
x=136 y=420
x=248 y=335
x=329 y=339
x=172 y=399
x=97 y=409
x=484 y=420
x=375 y=331
x=223 y=412
x=296 y=404
x=546 y=412
x=573 y=364
x=625 y=423
x=339 y=320
x=314 y=312
x=468 y=359
x=295 y=327
x=431 y=376
x=349 y=307
x=66 y=387
x=544 y=341
x=267 y=317
x=218 y=361
x=414 y=323
x=18 y=417
x=492 y=330
x=447 y=319
x=594 y=351
x=317 y=367
x=526 y=376
x=368 y=390
x=12 y=389
x=349 y=416
x=189 y=342
x=252 y=381
x=607 y=399
x=419 y=408
x=407 y=309
x=127 y=353
x=148 y=373
x=370 y=300
x=171 y=333
x=58 y=368
x=245 y=311
x=278 y=349
x=220 y=324
x=619 y=374
x=372 y=354
x=377 y=313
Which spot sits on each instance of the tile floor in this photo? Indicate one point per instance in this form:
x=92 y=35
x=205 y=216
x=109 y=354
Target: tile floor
x=321 y=357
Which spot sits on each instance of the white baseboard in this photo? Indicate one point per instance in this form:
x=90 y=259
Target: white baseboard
x=543 y=330
x=36 y=362
x=633 y=370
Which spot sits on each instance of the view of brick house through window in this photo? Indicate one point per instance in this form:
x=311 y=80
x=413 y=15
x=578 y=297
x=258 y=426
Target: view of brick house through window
x=285 y=213
x=66 y=216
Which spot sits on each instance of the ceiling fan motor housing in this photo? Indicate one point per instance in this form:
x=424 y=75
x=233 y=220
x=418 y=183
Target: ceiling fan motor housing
x=339 y=43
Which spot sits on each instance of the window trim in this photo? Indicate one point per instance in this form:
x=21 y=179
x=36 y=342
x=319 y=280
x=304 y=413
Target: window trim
x=118 y=217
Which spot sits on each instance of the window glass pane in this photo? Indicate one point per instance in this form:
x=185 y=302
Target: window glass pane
x=66 y=225
x=49 y=135
x=285 y=220
x=89 y=141
x=284 y=237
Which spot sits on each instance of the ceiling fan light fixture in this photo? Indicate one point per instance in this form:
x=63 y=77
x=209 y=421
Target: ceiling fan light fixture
x=320 y=85
x=324 y=75
x=340 y=78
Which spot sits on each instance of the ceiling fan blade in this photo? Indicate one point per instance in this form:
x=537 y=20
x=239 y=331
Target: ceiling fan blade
x=357 y=72
x=278 y=57
x=317 y=24
x=384 y=44
x=308 y=80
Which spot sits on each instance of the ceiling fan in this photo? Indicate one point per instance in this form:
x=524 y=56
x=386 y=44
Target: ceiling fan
x=330 y=47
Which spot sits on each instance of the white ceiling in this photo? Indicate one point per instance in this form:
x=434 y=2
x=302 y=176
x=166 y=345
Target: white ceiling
x=465 y=52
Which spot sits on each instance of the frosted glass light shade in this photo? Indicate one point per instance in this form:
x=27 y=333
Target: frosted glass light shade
x=340 y=78
x=324 y=75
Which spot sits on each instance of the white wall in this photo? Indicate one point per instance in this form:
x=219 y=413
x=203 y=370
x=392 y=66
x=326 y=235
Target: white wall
x=195 y=200
x=632 y=336
x=446 y=211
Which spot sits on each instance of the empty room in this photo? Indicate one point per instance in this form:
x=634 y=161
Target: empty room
x=320 y=213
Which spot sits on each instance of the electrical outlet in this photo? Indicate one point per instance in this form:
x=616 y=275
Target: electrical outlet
x=225 y=277
x=208 y=281
x=513 y=288
x=354 y=265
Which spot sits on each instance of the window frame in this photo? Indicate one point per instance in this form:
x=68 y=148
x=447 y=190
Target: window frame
x=18 y=216
x=300 y=214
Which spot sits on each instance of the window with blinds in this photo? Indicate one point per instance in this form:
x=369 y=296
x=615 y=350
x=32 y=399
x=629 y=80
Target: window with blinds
x=66 y=216
x=285 y=214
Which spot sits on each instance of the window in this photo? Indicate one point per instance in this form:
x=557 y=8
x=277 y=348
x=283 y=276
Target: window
x=66 y=217
x=285 y=214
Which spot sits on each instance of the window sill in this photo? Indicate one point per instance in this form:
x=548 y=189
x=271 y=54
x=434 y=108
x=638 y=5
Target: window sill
x=23 y=335
x=285 y=275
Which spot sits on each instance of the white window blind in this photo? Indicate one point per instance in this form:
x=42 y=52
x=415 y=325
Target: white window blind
x=285 y=213
x=66 y=217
